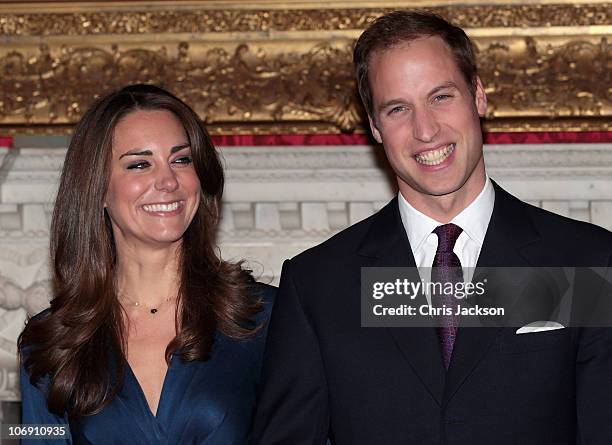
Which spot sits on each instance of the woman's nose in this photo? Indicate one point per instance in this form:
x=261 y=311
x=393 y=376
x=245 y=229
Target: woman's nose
x=166 y=179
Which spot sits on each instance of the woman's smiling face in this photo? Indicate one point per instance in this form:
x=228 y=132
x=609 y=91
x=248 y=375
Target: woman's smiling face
x=153 y=191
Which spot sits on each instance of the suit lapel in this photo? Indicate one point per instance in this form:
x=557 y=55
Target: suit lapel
x=508 y=236
x=386 y=245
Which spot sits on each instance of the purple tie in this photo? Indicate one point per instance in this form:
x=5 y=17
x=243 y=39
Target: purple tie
x=446 y=268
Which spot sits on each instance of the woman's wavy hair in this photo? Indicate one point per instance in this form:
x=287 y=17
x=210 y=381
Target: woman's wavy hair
x=78 y=345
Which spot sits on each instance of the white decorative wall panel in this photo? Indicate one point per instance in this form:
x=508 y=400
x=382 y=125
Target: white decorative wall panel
x=278 y=202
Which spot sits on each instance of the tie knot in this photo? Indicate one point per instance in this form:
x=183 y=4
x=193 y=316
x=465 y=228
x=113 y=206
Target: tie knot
x=447 y=236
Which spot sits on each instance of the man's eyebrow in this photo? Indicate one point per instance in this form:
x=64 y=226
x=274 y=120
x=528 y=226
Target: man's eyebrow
x=140 y=152
x=443 y=86
x=391 y=103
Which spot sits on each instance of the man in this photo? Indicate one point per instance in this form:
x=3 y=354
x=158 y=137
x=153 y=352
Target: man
x=326 y=376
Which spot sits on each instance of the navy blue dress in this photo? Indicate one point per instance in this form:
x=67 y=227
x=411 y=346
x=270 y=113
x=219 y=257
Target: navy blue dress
x=208 y=402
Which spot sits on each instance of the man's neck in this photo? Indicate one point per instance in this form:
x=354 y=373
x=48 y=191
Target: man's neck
x=445 y=207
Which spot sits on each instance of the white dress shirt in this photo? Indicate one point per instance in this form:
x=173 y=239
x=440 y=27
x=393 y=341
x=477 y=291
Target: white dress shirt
x=474 y=220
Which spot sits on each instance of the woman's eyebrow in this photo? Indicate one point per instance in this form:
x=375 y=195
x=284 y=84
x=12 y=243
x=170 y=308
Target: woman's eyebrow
x=141 y=152
x=137 y=152
x=178 y=148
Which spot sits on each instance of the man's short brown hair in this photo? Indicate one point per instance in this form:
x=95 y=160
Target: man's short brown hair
x=399 y=27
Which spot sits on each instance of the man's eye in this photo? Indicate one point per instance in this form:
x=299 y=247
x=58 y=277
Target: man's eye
x=140 y=165
x=442 y=97
x=183 y=160
x=397 y=109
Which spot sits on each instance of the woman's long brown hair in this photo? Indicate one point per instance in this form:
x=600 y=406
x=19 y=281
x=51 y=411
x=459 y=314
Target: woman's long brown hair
x=79 y=344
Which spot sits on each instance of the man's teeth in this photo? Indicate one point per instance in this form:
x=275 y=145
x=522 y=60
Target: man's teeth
x=161 y=207
x=435 y=157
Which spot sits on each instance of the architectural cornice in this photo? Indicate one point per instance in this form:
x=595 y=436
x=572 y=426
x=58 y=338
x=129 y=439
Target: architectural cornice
x=285 y=67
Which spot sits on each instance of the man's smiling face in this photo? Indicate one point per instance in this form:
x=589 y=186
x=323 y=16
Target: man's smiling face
x=428 y=120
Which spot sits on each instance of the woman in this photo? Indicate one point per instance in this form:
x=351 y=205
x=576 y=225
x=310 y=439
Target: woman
x=150 y=337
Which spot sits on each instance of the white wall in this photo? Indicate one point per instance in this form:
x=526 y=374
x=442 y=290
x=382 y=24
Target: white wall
x=278 y=202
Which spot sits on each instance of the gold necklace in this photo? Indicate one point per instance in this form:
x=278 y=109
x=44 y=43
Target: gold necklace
x=152 y=310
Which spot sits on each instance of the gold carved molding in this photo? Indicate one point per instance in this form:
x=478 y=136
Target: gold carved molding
x=285 y=67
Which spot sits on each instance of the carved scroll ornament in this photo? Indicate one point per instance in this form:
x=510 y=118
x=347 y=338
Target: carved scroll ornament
x=545 y=67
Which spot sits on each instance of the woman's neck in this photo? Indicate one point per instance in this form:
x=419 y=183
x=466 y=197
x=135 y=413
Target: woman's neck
x=148 y=278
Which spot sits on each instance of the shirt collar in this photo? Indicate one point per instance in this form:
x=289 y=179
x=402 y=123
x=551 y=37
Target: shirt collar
x=474 y=219
x=418 y=226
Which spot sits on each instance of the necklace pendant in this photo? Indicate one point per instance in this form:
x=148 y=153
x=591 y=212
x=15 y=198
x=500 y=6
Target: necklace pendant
x=153 y=311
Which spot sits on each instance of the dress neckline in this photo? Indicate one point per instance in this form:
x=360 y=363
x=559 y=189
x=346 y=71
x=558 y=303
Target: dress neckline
x=140 y=391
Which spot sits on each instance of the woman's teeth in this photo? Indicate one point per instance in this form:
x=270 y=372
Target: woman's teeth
x=435 y=157
x=161 y=207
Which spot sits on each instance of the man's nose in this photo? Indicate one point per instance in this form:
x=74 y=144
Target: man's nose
x=425 y=125
x=166 y=179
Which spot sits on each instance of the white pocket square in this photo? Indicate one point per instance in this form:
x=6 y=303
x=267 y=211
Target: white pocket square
x=539 y=326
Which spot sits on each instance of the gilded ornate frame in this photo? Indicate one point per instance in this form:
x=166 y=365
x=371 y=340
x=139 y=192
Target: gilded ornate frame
x=267 y=67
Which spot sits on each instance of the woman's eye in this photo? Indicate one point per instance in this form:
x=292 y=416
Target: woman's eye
x=183 y=160
x=140 y=165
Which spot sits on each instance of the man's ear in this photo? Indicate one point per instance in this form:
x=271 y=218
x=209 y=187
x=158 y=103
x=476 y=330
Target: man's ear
x=374 y=130
x=480 y=98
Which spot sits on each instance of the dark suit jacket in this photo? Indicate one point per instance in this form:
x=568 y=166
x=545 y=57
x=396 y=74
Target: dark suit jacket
x=326 y=375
